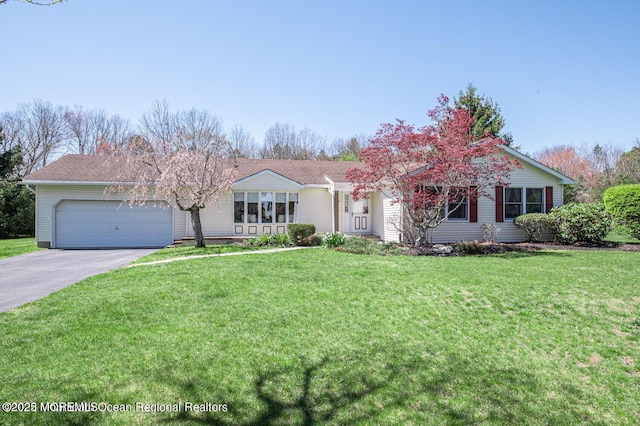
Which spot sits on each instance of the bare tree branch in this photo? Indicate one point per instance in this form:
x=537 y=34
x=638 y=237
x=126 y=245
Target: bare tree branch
x=37 y=3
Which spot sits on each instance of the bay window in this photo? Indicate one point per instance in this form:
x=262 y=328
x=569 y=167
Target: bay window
x=238 y=207
x=252 y=207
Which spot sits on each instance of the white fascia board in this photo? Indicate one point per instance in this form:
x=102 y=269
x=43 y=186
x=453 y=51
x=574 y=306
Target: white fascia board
x=520 y=156
x=339 y=186
x=317 y=185
x=70 y=182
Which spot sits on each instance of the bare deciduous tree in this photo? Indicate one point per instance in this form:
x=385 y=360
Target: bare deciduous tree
x=241 y=143
x=37 y=3
x=159 y=124
x=89 y=129
x=39 y=128
x=282 y=142
x=348 y=149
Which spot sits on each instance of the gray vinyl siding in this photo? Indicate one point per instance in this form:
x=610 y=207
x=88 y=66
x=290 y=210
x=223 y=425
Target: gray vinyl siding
x=463 y=230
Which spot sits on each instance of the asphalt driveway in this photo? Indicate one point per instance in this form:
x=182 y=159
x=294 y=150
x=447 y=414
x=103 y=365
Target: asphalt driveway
x=31 y=276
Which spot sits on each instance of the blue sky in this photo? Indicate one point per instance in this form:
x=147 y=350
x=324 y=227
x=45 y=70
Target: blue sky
x=561 y=71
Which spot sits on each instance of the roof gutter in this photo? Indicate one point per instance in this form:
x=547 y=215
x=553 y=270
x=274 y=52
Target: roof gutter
x=72 y=182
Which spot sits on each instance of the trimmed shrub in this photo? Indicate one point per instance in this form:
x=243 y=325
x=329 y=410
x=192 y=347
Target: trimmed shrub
x=533 y=224
x=580 y=223
x=623 y=204
x=332 y=240
x=300 y=232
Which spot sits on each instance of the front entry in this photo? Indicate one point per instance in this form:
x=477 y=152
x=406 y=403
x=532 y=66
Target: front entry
x=356 y=215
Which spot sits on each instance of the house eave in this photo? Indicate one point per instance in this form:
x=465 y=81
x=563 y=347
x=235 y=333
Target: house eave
x=67 y=182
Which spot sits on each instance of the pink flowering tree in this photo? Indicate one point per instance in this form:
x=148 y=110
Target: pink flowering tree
x=181 y=158
x=430 y=171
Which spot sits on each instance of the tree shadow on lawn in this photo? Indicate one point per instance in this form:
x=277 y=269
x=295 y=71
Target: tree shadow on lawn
x=432 y=388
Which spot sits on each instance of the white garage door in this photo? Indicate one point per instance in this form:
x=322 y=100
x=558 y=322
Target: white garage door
x=111 y=224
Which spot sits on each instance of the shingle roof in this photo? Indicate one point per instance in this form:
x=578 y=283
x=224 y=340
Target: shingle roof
x=104 y=169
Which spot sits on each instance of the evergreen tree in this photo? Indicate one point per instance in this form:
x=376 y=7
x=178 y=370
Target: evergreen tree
x=486 y=112
x=17 y=203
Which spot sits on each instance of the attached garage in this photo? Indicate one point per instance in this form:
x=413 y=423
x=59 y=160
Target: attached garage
x=111 y=224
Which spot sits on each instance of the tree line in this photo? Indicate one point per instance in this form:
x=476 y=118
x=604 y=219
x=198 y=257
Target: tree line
x=593 y=168
x=41 y=132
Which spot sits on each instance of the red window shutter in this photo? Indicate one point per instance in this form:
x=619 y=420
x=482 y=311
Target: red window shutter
x=548 y=196
x=499 y=203
x=473 y=204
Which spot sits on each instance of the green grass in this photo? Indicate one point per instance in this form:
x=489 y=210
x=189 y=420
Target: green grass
x=172 y=253
x=17 y=246
x=618 y=237
x=317 y=336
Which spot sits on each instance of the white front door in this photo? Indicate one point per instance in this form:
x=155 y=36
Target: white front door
x=359 y=220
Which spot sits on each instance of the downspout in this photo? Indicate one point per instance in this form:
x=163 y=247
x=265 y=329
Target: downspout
x=332 y=191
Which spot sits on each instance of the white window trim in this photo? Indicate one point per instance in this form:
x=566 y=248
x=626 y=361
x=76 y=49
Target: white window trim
x=523 y=200
x=259 y=202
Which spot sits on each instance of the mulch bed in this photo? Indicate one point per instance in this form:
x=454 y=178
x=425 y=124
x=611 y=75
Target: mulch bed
x=475 y=248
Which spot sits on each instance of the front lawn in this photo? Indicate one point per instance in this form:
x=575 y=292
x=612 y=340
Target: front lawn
x=17 y=246
x=186 y=251
x=318 y=336
x=616 y=236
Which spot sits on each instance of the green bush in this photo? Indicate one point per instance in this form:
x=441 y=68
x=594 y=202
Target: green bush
x=263 y=240
x=251 y=242
x=580 y=223
x=333 y=239
x=280 y=240
x=623 y=203
x=300 y=232
x=533 y=224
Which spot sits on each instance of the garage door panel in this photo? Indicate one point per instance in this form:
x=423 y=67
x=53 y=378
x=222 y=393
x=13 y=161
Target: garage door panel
x=109 y=224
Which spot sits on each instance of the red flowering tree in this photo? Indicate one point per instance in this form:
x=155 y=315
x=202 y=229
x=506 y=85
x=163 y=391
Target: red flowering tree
x=430 y=171
x=181 y=158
